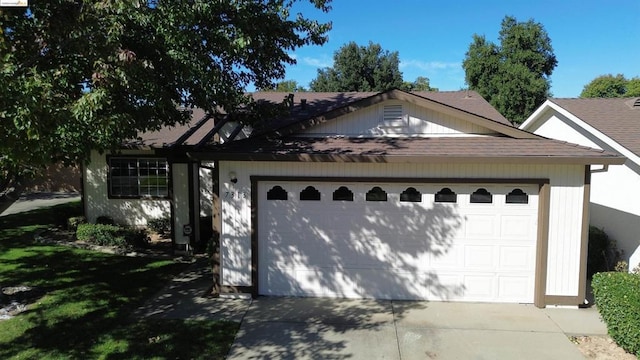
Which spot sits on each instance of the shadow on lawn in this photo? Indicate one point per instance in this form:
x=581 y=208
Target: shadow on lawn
x=89 y=296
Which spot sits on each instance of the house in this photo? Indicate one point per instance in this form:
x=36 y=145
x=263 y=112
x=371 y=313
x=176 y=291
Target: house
x=612 y=125
x=390 y=195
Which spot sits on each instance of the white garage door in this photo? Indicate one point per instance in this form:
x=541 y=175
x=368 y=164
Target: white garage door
x=466 y=242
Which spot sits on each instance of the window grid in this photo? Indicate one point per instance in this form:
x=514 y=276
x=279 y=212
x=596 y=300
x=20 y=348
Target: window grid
x=139 y=177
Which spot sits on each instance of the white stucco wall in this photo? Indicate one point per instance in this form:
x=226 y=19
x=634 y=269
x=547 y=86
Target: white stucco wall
x=565 y=223
x=124 y=211
x=613 y=193
x=139 y=211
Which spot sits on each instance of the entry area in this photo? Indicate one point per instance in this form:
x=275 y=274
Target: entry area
x=397 y=240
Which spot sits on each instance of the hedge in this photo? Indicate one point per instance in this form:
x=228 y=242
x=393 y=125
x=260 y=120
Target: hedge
x=110 y=235
x=617 y=296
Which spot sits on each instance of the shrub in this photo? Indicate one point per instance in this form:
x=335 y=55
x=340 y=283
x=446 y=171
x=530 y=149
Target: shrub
x=73 y=222
x=101 y=234
x=603 y=253
x=161 y=226
x=617 y=296
x=105 y=220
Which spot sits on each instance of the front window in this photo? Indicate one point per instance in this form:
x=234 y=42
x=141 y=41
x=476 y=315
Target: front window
x=138 y=177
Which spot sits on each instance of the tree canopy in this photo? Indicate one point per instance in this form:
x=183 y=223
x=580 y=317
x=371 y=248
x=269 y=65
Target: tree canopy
x=609 y=86
x=80 y=75
x=285 y=86
x=514 y=76
x=360 y=68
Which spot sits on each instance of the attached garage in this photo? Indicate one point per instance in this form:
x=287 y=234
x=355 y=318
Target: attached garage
x=398 y=240
x=399 y=195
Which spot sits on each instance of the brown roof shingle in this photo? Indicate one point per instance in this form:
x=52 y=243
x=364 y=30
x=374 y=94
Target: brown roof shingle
x=449 y=149
x=617 y=118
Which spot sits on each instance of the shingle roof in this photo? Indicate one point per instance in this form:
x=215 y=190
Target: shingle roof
x=617 y=118
x=307 y=106
x=449 y=149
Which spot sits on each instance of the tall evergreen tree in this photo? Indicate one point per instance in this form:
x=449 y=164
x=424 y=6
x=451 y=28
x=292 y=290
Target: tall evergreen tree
x=513 y=76
x=360 y=68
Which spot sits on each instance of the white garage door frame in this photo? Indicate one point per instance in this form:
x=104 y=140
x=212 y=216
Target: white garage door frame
x=542 y=220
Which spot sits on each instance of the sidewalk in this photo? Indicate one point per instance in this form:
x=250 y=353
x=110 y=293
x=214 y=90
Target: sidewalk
x=34 y=201
x=187 y=296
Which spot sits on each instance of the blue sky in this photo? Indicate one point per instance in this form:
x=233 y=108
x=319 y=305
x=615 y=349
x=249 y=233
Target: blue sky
x=589 y=37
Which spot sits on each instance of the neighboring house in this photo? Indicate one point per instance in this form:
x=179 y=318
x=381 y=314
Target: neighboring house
x=389 y=195
x=612 y=125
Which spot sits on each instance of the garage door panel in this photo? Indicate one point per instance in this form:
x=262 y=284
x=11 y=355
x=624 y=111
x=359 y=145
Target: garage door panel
x=479 y=257
x=517 y=258
x=517 y=226
x=397 y=250
x=479 y=287
x=480 y=226
x=515 y=288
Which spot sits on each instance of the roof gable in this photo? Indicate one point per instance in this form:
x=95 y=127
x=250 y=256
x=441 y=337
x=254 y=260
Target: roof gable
x=614 y=121
x=313 y=109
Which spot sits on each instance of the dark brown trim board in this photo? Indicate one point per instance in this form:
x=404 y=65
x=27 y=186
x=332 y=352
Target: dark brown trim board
x=542 y=245
x=216 y=218
x=541 y=242
x=584 y=243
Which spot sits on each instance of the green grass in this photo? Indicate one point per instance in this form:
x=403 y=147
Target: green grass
x=88 y=298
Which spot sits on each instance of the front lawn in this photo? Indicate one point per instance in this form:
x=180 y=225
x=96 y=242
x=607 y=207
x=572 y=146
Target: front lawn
x=85 y=299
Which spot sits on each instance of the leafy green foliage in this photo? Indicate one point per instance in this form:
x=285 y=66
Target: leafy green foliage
x=101 y=234
x=360 y=68
x=73 y=222
x=618 y=298
x=80 y=75
x=88 y=298
x=609 y=86
x=160 y=225
x=603 y=253
x=420 y=84
x=110 y=235
x=286 y=86
x=512 y=76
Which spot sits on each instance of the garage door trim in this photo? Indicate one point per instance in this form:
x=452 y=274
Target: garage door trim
x=543 y=216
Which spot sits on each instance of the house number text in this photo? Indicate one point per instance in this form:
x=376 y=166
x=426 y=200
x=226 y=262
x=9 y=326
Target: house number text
x=236 y=195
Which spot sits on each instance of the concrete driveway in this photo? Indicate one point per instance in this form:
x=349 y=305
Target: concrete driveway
x=311 y=328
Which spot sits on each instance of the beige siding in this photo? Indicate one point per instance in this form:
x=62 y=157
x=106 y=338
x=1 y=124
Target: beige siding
x=417 y=121
x=180 y=179
x=565 y=207
x=125 y=211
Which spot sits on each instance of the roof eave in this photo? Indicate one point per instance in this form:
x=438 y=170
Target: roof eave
x=383 y=158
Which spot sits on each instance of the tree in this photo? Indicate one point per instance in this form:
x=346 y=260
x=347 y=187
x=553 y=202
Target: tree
x=512 y=76
x=286 y=86
x=360 y=68
x=420 y=84
x=609 y=86
x=81 y=75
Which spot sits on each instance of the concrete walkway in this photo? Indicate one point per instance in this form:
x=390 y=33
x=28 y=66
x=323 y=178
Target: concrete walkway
x=34 y=201
x=314 y=328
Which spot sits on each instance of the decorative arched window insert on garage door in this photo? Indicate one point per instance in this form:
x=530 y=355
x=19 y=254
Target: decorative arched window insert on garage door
x=277 y=193
x=446 y=195
x=481 y=196
x=376 y=194
x=310 y=193
x=517 y=196
x=343 y=194
x=411 y=195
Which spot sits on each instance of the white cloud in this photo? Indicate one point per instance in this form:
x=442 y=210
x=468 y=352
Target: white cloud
x=322 y=62
x=429 y=65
